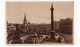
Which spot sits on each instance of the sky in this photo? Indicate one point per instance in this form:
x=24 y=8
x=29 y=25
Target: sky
x=38 y=12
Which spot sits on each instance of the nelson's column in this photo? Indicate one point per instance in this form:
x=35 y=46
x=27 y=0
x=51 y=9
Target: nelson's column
x=52 y=23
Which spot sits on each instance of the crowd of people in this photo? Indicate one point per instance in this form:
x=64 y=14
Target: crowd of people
x=33 y=38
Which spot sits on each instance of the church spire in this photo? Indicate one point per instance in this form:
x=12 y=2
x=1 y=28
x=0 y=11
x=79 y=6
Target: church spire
x=25 y=21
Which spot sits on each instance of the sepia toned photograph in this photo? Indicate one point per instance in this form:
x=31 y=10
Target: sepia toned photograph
x=38 y=22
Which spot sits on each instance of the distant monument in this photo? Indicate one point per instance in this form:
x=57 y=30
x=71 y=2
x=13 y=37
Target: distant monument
x=52 y=20
x=52 y=23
